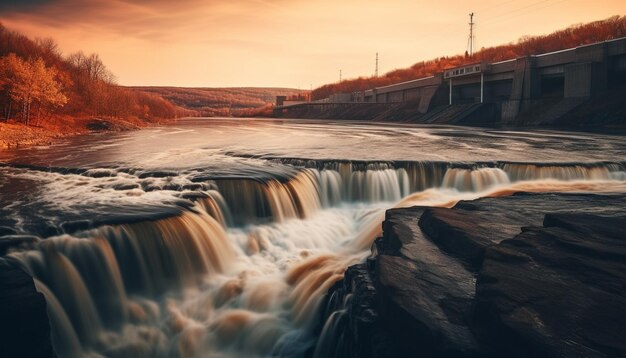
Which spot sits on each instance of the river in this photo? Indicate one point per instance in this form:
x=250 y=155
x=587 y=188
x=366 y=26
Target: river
x=218 y=237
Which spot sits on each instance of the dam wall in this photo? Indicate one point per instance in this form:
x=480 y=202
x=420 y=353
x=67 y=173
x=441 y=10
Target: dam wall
x=540 y=89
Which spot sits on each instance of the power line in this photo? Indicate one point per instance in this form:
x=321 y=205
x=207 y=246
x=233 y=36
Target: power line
x=491 y=7
x=487 y=20
x=502 y=16
x=497 y=21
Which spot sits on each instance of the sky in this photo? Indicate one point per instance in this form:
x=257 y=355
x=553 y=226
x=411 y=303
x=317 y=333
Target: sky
x=282 y=43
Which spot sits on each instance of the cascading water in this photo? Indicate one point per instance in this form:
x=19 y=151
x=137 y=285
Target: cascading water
x=474 y=180
x=240 y=270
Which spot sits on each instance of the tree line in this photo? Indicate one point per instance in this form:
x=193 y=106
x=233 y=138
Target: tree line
x=573 y=36
x=225 y=102
x=37 y=83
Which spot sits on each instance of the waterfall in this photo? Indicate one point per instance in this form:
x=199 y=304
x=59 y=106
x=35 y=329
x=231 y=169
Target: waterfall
x=475 y=180
x=176 y=251
x=253 y=201
x=330 y=343
x=66 y=342
x=86 y=279
x=391 y=181
x=421 y=175
x=243 y=267
x=215 y=205
x=330 y=187
x=521 y=172
x=311 y=279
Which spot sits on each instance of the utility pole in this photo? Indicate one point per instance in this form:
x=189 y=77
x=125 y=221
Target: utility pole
x=376 y=72
x=339 y=76
x=470 y=40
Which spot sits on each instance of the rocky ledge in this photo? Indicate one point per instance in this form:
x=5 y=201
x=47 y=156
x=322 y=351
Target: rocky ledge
x=24 y=326
x=540 y=275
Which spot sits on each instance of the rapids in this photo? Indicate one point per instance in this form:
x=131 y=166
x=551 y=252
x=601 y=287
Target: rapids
x=212 y=239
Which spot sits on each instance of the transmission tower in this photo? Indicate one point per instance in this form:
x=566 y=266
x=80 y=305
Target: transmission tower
x=470 y=40
x=376 y=71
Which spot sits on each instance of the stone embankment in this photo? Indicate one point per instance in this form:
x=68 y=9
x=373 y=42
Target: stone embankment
x=540 y=275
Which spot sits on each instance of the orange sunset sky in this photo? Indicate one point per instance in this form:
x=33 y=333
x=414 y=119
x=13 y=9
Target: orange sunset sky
x=282 y=43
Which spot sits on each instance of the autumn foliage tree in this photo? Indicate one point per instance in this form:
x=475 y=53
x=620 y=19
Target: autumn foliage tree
x=31 y=84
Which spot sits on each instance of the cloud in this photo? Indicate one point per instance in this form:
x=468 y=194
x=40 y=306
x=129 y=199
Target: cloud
x=152 y=20
x=20 y=5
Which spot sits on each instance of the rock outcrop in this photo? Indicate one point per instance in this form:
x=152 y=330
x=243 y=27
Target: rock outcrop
x=24 y=326
x=539 y=275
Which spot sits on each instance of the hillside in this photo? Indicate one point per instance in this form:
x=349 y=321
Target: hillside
x=209 y=102
x=37 y=82
x=46 y=95
x=577 y=35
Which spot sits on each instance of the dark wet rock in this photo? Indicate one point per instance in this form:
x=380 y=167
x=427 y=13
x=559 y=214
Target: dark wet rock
x=15 y=242
x=104 y=125
x=587 y=224
x=556 y=290
x=355 y=329
x=77 y=225
x=125 y=186
x=24 y=326
x=100 y=173
x=527 y=275
x=194 y=195
x=194 y=186
x=49 y=169
x=409 y=298
x=457 y=232
x=5 y=230
x=172 y=187
x=158 y=174
x=148 y=187
x=431 y=309
x=467 y=230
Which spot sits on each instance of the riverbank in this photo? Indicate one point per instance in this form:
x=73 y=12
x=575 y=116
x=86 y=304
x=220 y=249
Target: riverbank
x=15 y=134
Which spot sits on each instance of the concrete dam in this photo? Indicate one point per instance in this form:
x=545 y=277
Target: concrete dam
x=578 y=86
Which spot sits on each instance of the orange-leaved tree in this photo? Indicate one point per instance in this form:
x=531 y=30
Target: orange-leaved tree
x=30 y=83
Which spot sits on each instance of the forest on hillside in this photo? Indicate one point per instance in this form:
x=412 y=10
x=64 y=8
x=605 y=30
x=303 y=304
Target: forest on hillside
x=573 y=36
x=208 y=102
x=38 y=83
